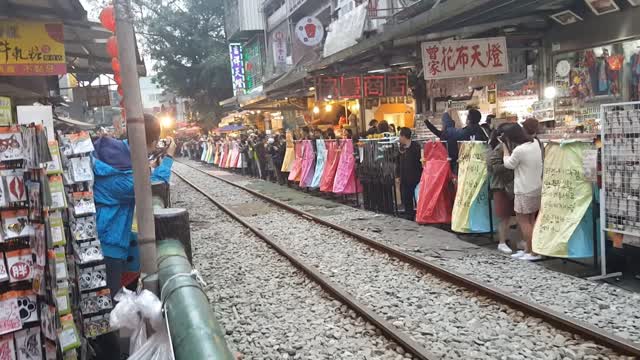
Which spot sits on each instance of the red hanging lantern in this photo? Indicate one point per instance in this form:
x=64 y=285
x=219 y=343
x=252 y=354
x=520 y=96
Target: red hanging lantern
x=122 y=103
x=108 y=18
x=120 y=91
x=115 y=65
x=117 y=79
x=112 y=47
x=123 y=114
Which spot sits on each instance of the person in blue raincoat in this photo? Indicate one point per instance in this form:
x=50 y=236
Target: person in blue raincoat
x=452 y=135
x=114 y=195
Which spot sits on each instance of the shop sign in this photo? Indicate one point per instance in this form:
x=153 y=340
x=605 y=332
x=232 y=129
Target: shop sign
x=98 y=96
x=29 y=48
x=310 y=31
x=253 y=72
x=237 y=67
x=358 y=86
x=465 y=58
x=279 y=48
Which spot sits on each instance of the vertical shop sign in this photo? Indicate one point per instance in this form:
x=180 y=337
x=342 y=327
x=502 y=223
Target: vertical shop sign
x=327 y=87
x=350 y=87
x=279 y=48
x=252 y=56
x=374 y=86
x=396 y=85
x=464 y=58
x=29 y=48
x=237 y=68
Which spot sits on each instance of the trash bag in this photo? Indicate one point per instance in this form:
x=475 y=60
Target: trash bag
x=132 y=312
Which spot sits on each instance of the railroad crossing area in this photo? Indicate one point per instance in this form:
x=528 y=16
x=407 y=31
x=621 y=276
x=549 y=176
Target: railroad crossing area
x=292 y=275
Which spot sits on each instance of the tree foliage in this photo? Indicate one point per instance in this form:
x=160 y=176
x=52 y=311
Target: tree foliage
x=186 y=41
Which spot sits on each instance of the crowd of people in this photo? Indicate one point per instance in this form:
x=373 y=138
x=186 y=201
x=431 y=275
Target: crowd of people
x=515 y=162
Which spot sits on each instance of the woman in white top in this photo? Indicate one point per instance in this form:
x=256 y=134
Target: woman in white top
x=523 y=154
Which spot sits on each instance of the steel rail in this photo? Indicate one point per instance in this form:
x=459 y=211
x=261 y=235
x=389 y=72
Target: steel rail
x=550 y=316
x=332 y=288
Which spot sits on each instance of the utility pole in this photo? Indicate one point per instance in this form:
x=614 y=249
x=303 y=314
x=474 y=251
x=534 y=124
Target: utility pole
x=136 y=135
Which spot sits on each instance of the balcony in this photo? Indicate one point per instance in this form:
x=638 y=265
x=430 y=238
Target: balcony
x=242 y=18
x=277 y=17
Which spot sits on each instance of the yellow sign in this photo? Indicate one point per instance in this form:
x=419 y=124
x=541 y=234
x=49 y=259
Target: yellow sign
x=566 y=196
x=5 y=111
x=472 y=176
x=29 y=48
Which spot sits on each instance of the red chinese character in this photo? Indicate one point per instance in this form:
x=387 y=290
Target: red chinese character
x=397 y=85
x=463 y=56
x=350 y=87
x=433 y=52
x=475 y=57
x=374 y=86
x=20 y=271
x=447 y=56
x=494 y=53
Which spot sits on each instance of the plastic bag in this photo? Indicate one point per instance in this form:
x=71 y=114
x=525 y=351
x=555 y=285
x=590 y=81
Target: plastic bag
x=130 y=313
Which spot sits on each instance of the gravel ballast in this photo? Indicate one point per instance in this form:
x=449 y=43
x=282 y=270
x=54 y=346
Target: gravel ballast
x=450 y=321
x=268 y=308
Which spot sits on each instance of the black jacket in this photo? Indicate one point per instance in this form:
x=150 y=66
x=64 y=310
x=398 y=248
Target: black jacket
x=409 y=165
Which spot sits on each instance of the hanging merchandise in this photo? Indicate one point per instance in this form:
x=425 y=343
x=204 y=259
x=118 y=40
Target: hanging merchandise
x=81 y=169
x=4 y=275
x=7 y=348
x=58 y=197
x=307 y=164
x=566 y=197
x=377 y=173
x=27 y=306
x=10 y=144
x=320 y=162
x=19 y=265
x=435 y=200
x=28 y=345
x=329 y=172
x=14 y=180
x=9 y=313
x=83 y=203
x=346 y=181
x=296 y=167
x=472 y=188
x=15 y=224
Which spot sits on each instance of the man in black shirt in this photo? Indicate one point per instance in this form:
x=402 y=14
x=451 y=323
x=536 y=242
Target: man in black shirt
x=410 y=171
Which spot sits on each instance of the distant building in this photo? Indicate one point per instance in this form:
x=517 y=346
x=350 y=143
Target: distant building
x=152 y=95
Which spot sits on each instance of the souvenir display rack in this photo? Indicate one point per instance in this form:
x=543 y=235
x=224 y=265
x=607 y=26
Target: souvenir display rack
x=620 y=195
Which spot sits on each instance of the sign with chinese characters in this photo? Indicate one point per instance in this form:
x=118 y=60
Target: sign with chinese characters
x=465 y=58
x=310 y=31
x=279 y=48
x=359 y=86
x=29 y=48
x=253 y=67
x=237 y=68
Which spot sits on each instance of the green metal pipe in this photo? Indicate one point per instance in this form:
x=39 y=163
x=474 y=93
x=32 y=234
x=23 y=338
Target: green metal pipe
x=195 y=332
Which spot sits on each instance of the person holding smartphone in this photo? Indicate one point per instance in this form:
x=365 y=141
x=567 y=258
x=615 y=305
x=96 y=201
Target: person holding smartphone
x=523 y=154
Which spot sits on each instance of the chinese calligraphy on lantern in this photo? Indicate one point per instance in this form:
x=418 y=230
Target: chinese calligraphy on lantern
x=237 y=67
x=31 y=48
x=462 y=58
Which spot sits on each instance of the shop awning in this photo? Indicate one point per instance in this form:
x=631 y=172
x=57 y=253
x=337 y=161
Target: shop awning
x=64 y=122
x=18 y=92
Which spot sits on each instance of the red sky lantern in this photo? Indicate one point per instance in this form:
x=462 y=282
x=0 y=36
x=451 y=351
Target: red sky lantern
x=117 y=79
x=112 y=47
x=108 y=18
x=115 y=65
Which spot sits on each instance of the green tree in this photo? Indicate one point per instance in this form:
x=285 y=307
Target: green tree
x=186 y=41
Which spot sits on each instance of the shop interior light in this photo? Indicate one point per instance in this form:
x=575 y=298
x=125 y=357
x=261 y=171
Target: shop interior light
x=550 y=92
x=329 y=96
x=312 y=89
x=355 y=107
x=316 y=110
x=166 y=121
x=328 y=107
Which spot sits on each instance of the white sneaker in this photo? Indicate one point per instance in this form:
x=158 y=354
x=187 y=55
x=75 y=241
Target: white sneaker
x=504 y=248
x=531 y=257
x=518 y=254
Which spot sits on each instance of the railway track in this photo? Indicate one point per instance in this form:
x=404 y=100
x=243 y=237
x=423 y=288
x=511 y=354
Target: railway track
x=415 y=302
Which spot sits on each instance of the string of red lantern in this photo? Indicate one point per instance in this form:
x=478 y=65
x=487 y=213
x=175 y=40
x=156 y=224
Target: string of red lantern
x=108 y=20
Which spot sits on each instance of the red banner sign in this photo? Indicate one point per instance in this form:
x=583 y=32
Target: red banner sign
x=359 y=86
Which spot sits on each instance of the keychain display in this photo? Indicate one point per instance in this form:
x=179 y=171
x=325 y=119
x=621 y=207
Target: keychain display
x=96 y=325
x=19 y=265
x=83 y=203
x=92 y=278
x=77 y=144
x=48 y=323
x=50 y=351
x=95 y=302
x=4 y=275
x=35 y=202
x=11 y=144
x=27 y=306
x=4 y=194
x=62 y=301
x=68 y=336
x=88 y=252
x=16 y=191
x=9 y=314
x=83 y=228
x=54 y=167
x=56 y=187
x=81 y=170
x=56 y=229
x=7 y=348
x=15 y=224
x=61 y=264
x=28 y=344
